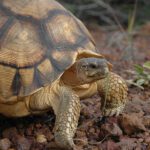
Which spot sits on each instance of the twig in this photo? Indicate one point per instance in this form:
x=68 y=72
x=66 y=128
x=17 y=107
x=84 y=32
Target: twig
x=97 y=143
x=107 y=6
x=87 y=6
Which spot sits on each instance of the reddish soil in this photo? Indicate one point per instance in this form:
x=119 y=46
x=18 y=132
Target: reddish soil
x=128 y=131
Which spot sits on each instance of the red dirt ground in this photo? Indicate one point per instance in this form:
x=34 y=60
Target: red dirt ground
x=128 y=131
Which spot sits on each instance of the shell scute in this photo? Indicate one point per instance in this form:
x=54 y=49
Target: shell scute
x=40 y=40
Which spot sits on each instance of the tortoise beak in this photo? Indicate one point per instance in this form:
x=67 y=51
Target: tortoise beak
x=99 y=73
x=103 y=74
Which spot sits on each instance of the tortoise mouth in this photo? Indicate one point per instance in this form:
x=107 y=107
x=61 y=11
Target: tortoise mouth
x=98 y=75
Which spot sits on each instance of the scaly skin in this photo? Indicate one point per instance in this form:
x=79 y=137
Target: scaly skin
x=113 y=91
x=67 y=118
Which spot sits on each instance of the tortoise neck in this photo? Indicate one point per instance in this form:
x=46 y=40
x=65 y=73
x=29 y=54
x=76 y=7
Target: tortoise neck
x=70 y=77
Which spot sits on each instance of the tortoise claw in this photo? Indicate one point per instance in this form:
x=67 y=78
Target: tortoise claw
x=113 y=111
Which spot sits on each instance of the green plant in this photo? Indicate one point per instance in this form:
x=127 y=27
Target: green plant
x=141 y=75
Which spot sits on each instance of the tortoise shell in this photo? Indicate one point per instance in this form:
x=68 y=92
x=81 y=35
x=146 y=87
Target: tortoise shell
x=39 y=40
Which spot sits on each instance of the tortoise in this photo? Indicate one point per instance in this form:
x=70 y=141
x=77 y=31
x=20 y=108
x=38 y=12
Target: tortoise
x=48 y=59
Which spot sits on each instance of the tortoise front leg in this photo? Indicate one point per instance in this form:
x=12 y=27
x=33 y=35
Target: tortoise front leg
x=66 y=106
x=67 y=118
x=113 y=91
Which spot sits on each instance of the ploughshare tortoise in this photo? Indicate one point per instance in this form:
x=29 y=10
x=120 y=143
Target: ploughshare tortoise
x=48 y=59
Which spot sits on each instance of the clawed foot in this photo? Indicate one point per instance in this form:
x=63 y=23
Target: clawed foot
x=64 y=144
x=113 y=111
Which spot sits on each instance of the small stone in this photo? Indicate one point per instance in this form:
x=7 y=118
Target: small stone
x=29 y=132
x=10 y=133
x=40 y=138
x=80 y=134
x=112 y=128
x=110 y=145
x=5 y=144
x=49 y=136
x=131 y=123
x=92 y=130
x=140 y=140
x=127 y=143
x=23 y=143
x=38 y=125
x=82 y=141
x=147 y=140
x=146 y=133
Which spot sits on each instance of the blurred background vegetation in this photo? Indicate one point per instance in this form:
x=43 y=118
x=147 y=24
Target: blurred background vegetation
x=110 y=12
x=123 y=21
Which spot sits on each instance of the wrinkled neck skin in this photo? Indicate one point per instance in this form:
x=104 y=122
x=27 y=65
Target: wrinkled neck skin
x=71 y=77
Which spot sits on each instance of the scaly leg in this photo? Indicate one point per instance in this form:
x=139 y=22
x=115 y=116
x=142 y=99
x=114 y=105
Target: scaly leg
x=67 y=118
x=66 y=106
x=113 y=91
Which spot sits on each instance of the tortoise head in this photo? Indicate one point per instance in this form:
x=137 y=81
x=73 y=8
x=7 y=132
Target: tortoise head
x=86 y=70
x=91 y=69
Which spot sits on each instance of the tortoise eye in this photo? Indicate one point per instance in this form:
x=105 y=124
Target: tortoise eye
x=93 y=66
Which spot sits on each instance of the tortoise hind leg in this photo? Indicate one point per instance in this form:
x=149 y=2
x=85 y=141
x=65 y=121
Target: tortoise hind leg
x=67 y=117
x=113 y=91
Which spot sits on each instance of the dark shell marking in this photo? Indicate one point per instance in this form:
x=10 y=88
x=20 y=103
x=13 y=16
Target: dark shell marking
x=36 y=50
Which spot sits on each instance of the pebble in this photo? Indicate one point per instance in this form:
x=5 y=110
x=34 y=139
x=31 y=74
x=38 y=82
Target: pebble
x=40 y=138
x=5 y=144
x=23 y=143
x=140 y=140
x=147 y=140
x=146 y=133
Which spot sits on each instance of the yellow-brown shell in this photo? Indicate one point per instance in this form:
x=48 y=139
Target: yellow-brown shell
x=39 y=40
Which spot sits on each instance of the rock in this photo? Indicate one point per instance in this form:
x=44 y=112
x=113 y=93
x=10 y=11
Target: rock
x=80 y=133
x=147 y=140
x=146 y=121
x=29 y=131
x=140 y=140
x=131 y=123
x=10 y=133
x=5 y=144
x=22 y=143
x=38 y=125
x=112 y=129
x=49 y=136
x=83 y=141
x=146 y=134
x=148 y=147
x=40 y=138
x=127 y=143
x=110 y=145
x=81 y=138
